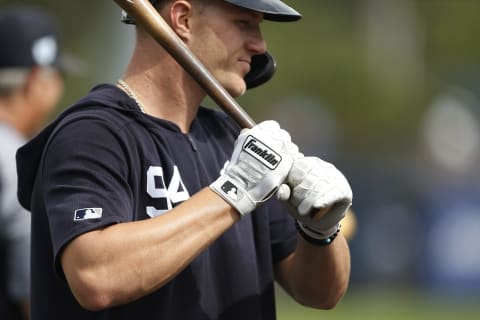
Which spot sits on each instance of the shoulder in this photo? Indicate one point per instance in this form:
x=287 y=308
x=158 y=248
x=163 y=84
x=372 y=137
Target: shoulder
x=93 y=128
x=105 y=106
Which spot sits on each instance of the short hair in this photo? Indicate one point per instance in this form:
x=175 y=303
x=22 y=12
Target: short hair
x=159 y=4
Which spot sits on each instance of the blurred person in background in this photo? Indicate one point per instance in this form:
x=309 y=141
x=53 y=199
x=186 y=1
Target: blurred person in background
x=31 y=84
x=448 y=182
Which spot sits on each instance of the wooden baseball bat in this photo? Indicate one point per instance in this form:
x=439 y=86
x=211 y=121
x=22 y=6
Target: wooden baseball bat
x=147 y=16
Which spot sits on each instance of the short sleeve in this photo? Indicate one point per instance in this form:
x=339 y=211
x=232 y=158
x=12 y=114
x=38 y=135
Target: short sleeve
x=85 y=181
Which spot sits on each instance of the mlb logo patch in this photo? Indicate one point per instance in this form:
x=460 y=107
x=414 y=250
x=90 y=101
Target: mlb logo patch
x=230 y=190
x=87 y=214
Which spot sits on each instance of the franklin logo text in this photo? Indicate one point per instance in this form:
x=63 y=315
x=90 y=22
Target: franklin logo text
x=261 y=152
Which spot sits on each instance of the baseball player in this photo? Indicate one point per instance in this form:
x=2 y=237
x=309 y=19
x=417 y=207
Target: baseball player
x=146 y=205
x=30 y=86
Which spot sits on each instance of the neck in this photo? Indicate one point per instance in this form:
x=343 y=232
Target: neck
x=164 y=89
x=11 y=113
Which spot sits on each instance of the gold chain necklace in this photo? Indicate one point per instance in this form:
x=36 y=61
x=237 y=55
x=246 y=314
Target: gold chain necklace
x=131 y=93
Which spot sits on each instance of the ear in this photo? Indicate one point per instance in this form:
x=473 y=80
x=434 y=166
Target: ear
x=31 y=86
x=180 y=14
x=37 y=85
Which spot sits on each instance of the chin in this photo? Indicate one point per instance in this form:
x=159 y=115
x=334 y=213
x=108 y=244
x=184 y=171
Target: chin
x=232 y=82
x=238 y=93
x=236 y=89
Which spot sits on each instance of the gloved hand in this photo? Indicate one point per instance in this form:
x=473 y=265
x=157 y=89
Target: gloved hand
x=317 y=195
x=261 y=160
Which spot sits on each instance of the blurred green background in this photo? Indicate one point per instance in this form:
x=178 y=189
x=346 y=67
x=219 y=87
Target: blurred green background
x=388 y=91
x=383 y=303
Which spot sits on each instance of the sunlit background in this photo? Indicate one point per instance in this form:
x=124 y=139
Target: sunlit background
x=388 y=90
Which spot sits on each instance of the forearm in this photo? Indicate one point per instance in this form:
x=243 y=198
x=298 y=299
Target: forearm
x=318 y=276
x=152 y=251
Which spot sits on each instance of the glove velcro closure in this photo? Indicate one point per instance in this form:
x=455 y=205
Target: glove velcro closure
x=234 y=194
x=315 y=237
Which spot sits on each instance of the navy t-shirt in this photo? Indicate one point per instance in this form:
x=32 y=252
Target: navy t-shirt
x=104 y=162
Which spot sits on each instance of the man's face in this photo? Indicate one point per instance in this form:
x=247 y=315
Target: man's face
x=225 y=37
x=49 y=87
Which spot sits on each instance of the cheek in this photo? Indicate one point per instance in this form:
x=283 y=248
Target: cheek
x=53 y=92
x=217 y=56
x=209 y=47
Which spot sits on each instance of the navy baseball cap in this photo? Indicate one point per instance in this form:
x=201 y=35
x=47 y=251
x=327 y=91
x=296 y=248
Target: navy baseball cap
x=29 y=37
x=274 y=10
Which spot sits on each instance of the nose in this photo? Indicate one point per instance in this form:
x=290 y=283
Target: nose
x=256 y=44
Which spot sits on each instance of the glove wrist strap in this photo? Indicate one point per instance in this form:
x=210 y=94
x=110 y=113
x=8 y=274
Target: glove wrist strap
x=316 y=237
x=234 y=194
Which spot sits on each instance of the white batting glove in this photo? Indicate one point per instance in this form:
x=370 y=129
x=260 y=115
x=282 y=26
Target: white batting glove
x=261 y=160
x=313 y=185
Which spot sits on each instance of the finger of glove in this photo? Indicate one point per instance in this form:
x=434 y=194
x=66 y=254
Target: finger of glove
x=333 y=196
x=320 y=177
x=330 y=219
x=271 y=128
x=309 y=188
x=315 y=194
x=280 y=138
x=300 y=169
x=283 y=193
x=310 y=196
x=273 y=179
x=225 y=167
x=268 y=125
x=338 y=204
x=291 y=148
x=337 y=191
x=308 y=167
x=298 y=155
